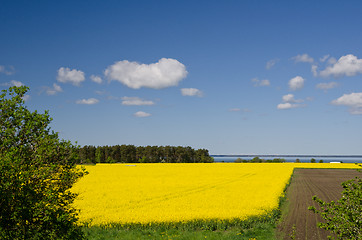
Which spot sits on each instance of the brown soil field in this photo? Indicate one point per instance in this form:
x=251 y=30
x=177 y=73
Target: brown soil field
x=300 y=223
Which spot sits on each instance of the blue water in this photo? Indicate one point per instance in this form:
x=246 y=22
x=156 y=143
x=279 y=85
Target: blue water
x=302 y=159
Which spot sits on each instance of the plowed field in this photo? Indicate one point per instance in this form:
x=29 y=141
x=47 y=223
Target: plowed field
x=299 y=222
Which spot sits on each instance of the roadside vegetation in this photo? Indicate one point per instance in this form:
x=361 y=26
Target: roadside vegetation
x=343 y=217
x=253 y=228
x=37 y=171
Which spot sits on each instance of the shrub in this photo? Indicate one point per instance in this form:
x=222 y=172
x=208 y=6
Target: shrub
x=343 y=217
x=37 y=171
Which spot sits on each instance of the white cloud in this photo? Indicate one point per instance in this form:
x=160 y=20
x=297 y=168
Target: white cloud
x=288 y=98
x=191 y=92
x=166 y=72
x=135 y=101
x=352 y=100
x=96 y=79
x=288 y=101
x=332 y=60
x=16 y=83
x=89 y=101
x=303 y=58
x=355 y=111
x=141 y=114
x=326 y=86
x=314 y=70
x=260 y=83
x=348 y=65
x=73 y=76
x=26 y=97
x=54 y=90
x=271 y=63
x=286 y=106
x=324 y=58
x=13 y=83
x=8 y=71
x=296 y=83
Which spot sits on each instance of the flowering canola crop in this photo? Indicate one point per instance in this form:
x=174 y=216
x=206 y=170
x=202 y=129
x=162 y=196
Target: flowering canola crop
x=149 y=193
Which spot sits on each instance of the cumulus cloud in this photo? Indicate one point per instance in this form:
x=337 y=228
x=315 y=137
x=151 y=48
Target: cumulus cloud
x=326 y=86
x=286 y=106
x=303 y=58
x=352 y=100
x=260 y=83
x=75 y=77
x=288 y=101
x=348 y=65
x=141 y=114
x=191 y=92
x=96 y=79
x=16 y=83
x=167 y=72
x=332 y=60
x=271 y=63
x=296 y=83
x=53 y=90
x=135 y=101
x=89 y=101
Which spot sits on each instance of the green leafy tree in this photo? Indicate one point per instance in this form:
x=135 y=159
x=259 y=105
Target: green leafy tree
x=37 y=171
x=343 y=217
x=312 y=160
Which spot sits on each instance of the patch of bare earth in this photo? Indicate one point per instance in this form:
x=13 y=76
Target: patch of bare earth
x=299 y=222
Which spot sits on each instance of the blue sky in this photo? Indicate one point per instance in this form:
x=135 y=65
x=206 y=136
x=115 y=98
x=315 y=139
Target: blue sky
x=235 y=77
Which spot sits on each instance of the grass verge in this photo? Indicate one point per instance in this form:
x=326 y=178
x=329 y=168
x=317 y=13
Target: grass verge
x=261 y=227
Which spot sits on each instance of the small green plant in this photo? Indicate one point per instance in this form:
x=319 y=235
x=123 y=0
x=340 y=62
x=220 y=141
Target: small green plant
x=343 y=217
x=292 y=235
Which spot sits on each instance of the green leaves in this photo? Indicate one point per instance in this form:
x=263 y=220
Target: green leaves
x=37 y=171
x=343 y=217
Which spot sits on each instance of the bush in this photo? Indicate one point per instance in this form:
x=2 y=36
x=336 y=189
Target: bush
x=37 y=171
x=343 y=217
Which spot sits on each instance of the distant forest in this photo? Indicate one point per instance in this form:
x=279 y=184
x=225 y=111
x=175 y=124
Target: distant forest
x=148 y=154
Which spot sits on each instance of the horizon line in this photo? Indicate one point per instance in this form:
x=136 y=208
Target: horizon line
x=283 y=155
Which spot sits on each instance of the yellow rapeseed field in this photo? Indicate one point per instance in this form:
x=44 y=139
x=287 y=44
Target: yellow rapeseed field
x=149 y=193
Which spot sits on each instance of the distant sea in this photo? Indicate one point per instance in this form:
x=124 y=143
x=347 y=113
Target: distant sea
x=290 y=158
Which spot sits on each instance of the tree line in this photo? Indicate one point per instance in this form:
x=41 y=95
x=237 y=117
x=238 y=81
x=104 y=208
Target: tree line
x=260 y=160
x=140 y=154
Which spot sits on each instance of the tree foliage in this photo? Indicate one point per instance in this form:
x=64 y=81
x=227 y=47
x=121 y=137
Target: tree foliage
x=260 y=160
x=148 y=154
x=343 y=217
x=37 y=171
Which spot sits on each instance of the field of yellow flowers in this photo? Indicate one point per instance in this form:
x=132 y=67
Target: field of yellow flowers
x=154 y=193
